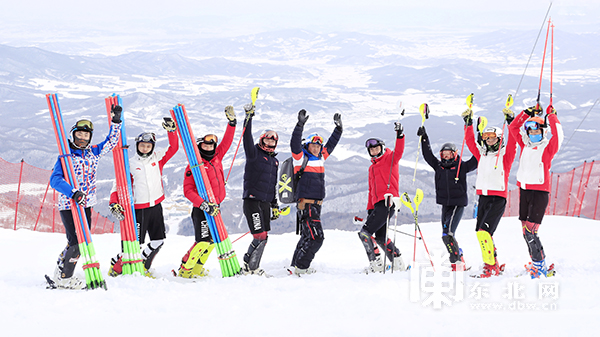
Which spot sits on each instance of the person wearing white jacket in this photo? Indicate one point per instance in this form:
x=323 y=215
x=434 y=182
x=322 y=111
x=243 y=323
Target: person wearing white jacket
x=494 y=161
x=533 y=177
x=146 y=172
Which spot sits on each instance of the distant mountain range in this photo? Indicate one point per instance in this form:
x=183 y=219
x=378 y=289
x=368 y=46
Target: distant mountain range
x=362 y=76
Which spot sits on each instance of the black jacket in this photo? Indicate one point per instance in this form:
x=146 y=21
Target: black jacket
x=260 y=173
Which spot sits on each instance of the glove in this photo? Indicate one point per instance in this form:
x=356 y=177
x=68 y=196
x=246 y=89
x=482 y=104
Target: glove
x=533 y=110
x=117 y=211
x=467 y=116
x=115 y=112
x=399 y=130
x=79 y=197
x=209 y=207
x=274 y=211
x=550 y=110
x=230 y=114
x=249 y=109
x=337 y=119
x=421 y=132
x=509 y=116
x=302 y=117
x=169 y=124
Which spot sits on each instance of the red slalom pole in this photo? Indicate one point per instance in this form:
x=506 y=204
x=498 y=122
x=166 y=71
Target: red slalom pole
x=543 y=59
x=551 y=59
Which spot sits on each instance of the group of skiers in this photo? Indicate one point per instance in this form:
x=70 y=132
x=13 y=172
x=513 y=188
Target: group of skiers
x=491 y=157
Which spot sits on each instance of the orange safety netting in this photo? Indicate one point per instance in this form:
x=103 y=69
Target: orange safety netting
x=27 y=201
x=574 y=193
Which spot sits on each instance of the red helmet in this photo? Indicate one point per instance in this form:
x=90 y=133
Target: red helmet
x=268 y=134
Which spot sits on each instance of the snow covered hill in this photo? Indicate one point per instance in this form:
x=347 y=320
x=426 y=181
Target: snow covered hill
x=359 y=75
x=336 y=301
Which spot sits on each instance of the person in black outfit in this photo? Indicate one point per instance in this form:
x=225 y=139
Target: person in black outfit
x=450 y=191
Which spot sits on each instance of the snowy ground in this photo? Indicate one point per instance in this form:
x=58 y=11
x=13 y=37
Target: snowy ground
x=337 y=301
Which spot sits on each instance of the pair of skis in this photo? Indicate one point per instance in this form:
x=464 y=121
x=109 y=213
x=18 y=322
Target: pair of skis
x=227 y=257
x=132 y=259
x=91 y=266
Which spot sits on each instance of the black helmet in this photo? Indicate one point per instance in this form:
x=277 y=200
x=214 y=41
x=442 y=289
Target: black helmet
x=145 y=137
x=82 y=125
x=448 y=147
x=374 y=142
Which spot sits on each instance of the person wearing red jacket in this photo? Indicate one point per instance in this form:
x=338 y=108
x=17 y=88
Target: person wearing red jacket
x=146 y=174
x=533 y=176
x=383 y=180
x=494 y=163
x=212 y=153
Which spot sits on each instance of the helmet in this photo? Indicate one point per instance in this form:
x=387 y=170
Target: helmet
x=145 y=137
x=314 y=138
x=448 y=147
x=268 y=134
x=207 y=139
x=489 y=132
x=82 y=125
x=374 y=142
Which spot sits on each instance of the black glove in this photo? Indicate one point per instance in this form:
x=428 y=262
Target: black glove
x=169 y=124
x=302 y=117
x=337 y=119
x=467 y=116
x=117 y=211
x=230 y=114
x=533 y=110
x=399 y=130
x=115 y=111
x=421 y=132
x=249 y=109
x=274 y=211
x=209 y=207
x=79 y=197
x=509 y=116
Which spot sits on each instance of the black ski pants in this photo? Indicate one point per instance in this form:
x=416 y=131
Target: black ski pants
x=150 y=220
x=451 y=216
x=489 y=212
x=201 y=230
x=67 y=220
x=311 y=236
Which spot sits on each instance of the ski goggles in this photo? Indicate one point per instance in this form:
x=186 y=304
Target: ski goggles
x=532 y=125
x=270 y=134
x=85 y=125
x=315 y=140
x=209 y=139
x=372 y=142
x=146 y=137
x=488 y=135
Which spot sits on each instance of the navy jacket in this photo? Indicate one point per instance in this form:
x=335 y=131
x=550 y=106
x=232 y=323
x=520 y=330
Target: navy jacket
x=260 y=173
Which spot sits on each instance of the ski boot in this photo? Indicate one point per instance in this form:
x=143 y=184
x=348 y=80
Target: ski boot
x=67 y=282
x=375 y=266
x=398 y=264
x=116 y=267
x=199 y=271
x=538 y=268
x=297 y=271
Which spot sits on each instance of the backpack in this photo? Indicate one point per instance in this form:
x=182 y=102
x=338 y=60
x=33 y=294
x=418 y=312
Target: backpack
x=288 y=181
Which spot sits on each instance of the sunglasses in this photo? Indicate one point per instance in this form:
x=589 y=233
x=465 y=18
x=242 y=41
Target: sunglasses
x=146 y=137
x=488 y=135
x=209 y=139
x=531 y=125
x=371 y=142
x=84 y=124
x=316 y=140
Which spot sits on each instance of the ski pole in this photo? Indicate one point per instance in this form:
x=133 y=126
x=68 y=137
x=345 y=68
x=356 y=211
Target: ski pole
x=418 y=199
x=551 y=59
x=509 y=103
x=388 y=200
x=470 y=105
x=401 y=232
x=254 y=96
x=394 y=152
x=542 y=71
x=424 y=111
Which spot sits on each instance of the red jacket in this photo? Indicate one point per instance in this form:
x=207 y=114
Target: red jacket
x=379 y=174
x=214 y=169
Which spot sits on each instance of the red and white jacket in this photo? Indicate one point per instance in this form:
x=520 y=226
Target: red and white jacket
x=536 y=158
x=146 y=174
x=493 y=168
